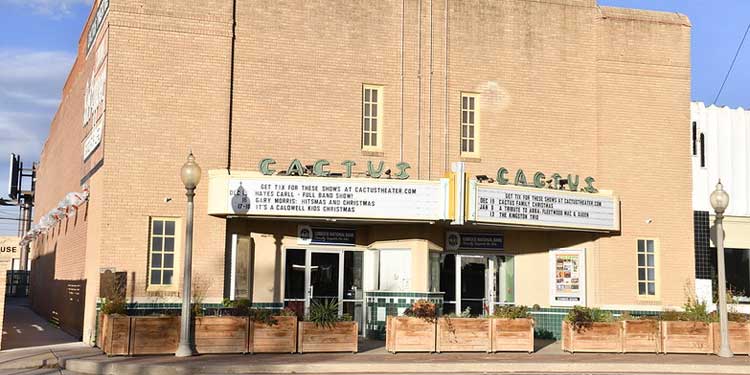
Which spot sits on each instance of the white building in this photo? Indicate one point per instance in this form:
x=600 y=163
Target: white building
x=721 y=150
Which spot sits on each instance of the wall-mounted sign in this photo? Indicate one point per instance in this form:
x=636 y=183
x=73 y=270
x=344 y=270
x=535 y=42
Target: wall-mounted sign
x=505 y=204
x=571 y=182
x=93 y=100
x=93 y=139
x=331 y=198
x=474 y=241
x=567 y=277
x=9 y=248
x=308 y=235
x=322 y=168
x=96 y=23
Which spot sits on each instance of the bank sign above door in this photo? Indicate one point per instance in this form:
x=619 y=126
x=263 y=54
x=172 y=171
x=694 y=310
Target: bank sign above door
x=546 y=208
x=330 y=198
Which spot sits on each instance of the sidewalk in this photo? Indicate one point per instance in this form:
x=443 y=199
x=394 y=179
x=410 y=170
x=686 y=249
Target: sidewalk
x=23 y=328
x=375 y=360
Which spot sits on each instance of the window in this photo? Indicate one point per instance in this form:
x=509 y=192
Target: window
x=241 y=268
x=646 y=268
x=703 y=150
x=737 y=263
x=695 y=136
x=434 y=267
x=395 y=270
x=372 y=117
x=469 y=124
x=162 y=254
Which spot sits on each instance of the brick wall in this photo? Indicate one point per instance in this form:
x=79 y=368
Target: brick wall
x=565 y=86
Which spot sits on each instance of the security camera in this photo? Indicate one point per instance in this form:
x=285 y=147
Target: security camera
x=649 y=221
x=167 y=199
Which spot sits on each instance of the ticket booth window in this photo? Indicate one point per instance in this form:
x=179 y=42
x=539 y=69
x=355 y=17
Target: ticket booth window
x=395 y=270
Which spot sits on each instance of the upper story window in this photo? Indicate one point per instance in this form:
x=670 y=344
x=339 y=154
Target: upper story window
x=703 y=150
x=695 y=136
x=372 y=117
x=469 y=124
x=646 y=268
x=161 y=264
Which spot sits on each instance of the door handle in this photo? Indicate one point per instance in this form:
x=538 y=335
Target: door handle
x=310 y=291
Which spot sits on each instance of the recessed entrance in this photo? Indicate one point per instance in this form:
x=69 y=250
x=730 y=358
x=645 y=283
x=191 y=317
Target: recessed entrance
x=478 y=282
x=313 y=275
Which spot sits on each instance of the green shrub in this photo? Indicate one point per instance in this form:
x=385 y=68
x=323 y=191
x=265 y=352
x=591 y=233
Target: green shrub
x=326 y=313
x=114 y=306
x=580 y=316
x=422 y=309
x=695 y=311
x=511 y=312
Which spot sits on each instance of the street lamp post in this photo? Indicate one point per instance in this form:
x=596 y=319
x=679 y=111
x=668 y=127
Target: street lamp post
x=720 y=201
x=191 y=175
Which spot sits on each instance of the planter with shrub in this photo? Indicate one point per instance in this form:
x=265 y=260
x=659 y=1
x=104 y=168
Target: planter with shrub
x=464 y=333
x=114 y=328
x=739 y=334
x=272 y=331
x=688 y=331
x=325 y=331
x=512 y=329
x=413 y=332
x=591 y=330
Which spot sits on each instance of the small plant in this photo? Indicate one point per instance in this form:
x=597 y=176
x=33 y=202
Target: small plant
x=695 y=311
x=581 y=317
x=112 y=306
x=511 y=312
x=286 y=312
x=262 y=316
x=544 y=334
x=422 y=309
x=325 y=314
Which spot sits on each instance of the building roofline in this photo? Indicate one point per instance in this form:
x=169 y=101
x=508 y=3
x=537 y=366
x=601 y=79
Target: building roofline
x=670 y=18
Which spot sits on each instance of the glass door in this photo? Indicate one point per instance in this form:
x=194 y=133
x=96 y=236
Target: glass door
x=324 y=282
x=474 y=284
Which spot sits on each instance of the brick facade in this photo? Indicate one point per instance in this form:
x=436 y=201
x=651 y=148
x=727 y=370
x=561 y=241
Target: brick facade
x=564 y=85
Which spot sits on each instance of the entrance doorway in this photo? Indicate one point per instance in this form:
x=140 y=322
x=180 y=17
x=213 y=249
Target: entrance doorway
x=322 y=275
x=477 y=282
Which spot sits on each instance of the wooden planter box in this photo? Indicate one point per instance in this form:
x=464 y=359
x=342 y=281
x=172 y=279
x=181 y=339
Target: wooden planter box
x=114 y=334
x=464 y=335
x=687 y=337
x=641 y=336
x=278 y=338
x=512 y=335
x=342 y=337
x=593 y=337
x=154 y=334
x=407 y=334
x=739 y=337
x=221 y=334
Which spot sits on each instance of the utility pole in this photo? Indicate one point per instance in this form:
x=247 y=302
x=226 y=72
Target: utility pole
x=25 y=200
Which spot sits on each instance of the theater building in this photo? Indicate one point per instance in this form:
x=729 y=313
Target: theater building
x=473 y=153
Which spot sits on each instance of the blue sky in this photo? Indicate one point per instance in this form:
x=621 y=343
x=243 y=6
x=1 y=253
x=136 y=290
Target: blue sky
x=38 y=41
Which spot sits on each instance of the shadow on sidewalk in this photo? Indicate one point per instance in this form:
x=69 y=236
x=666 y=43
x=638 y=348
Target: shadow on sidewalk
x=23 y=328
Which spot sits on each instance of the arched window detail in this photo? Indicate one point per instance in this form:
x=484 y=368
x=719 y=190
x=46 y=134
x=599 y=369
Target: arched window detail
x=694 y=135
x=703 y=150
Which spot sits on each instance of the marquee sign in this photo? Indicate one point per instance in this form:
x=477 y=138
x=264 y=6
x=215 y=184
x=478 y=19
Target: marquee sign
x=346 y=198
x=512 y=205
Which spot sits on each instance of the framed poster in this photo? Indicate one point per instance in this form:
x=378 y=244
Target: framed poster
x=567 y=277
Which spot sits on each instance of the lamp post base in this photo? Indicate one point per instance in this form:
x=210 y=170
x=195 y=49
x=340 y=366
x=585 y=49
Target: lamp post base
x=184 y=350
x=725 y=352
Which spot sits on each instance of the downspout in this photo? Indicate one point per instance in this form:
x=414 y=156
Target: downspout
x=429 y=121
x=419 y=92
x=401 y=145
x=445 y=125
x=231 y=86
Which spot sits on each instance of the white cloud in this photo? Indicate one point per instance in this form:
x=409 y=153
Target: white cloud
x=52 y=8
x=30 y=88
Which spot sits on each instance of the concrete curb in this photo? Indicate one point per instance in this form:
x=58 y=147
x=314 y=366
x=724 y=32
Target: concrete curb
x=125 y=367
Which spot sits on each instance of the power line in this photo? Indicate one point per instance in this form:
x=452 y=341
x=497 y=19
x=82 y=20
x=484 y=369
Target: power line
x=731 y=66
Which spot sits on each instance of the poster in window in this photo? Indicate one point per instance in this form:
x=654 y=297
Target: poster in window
x=567 y=277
